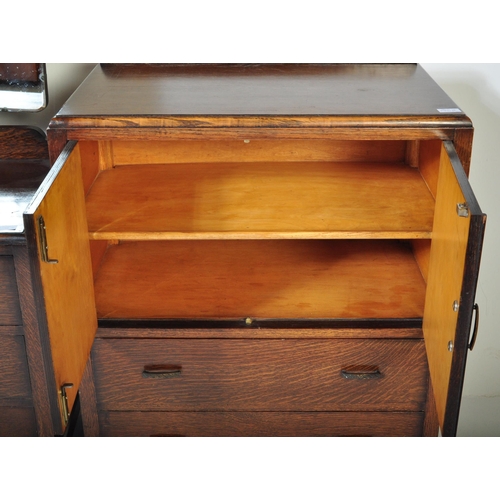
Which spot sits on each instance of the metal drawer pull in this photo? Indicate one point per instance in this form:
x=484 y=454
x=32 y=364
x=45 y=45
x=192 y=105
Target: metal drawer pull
x=161 y=371
x=361 y=372
x=476 y=327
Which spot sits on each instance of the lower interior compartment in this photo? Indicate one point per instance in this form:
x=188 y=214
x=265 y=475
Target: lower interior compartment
x=224 y=279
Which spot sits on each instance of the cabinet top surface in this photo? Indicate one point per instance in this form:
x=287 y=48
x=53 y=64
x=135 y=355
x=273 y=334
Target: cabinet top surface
x=285 y=90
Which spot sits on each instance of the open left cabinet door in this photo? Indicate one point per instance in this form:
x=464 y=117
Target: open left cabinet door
x=56 y=229
x=457 y=239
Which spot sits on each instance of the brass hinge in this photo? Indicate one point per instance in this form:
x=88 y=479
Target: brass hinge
x=64 y=402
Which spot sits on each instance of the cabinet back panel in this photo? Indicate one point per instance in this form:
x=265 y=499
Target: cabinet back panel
x=203 y=151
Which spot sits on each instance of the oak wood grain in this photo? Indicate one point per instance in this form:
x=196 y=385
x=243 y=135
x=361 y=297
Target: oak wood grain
x=14 y=377
x=260 y=375
x=285 y=424
x=17 y=422
x=22 y=143
x=348 y=331
x=288 y=90
x=10 y=312
x=38 y=364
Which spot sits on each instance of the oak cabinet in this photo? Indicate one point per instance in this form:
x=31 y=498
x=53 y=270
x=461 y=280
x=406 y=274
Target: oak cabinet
x=258 y=250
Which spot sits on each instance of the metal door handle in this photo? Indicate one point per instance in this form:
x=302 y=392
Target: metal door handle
x=476 y=327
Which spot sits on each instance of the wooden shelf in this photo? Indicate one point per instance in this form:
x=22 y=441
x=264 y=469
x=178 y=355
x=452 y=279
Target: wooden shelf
x=303 y=200
x=260 y=279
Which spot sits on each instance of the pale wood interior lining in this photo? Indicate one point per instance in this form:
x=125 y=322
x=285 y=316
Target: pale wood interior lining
x=260 y=200
x=448 y=251
x=250 y=150
x=261 y=279
x=68 y=286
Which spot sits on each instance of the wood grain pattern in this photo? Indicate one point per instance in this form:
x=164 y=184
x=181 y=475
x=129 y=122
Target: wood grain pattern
x=171 y=128
x=431 y=422
x=261 y=279
x=22 y=143
x=449 y=244
x=67 y=286
x=14 y=378
x=38 y=364
x=286 y=90
x=10 y=312
x=17 y=422
x=245 y=150
x=347 y=332
x=88 y=403
x=260 y=375
x=430 y=153
x=285 y=424
x=260 y=200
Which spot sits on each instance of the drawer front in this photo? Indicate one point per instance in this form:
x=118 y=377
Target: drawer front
x=17 y=422
x=10 y=312
x=14 y=377
x=260 y=375
x=378 y=424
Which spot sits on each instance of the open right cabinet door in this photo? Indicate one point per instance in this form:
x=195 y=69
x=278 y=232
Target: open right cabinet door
x=453 y=270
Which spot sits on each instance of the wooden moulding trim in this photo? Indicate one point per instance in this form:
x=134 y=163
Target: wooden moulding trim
x=167 y=331
x=214 y=133
x=11 y=330
x=12 y=239
x=335 y=327
x=260 y=121
x=253 y=235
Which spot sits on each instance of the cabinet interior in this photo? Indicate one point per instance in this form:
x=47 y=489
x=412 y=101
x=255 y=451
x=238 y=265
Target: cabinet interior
x=284 y=229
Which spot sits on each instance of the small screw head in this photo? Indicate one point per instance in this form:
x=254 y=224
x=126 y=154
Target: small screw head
x=246 y=141
x=248 y=321
x=450 y=346
x=456 y=306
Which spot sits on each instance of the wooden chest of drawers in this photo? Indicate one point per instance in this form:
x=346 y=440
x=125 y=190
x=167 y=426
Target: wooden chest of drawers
x=258 y=250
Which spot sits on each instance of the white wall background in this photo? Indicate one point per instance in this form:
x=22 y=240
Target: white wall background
x=476 y=89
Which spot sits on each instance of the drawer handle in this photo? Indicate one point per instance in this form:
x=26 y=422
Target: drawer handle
x=361 y=372
x=161 y=371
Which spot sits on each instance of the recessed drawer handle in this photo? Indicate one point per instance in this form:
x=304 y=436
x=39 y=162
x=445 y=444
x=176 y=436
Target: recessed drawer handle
x=161 y=371
x=361 y=372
